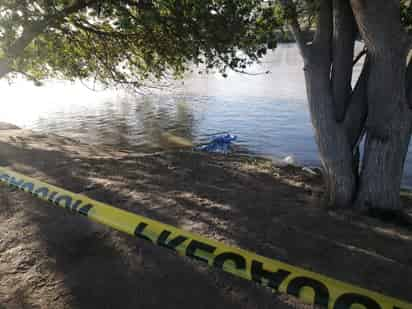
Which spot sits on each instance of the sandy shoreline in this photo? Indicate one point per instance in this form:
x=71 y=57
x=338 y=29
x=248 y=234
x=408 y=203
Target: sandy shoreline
x=52 y=259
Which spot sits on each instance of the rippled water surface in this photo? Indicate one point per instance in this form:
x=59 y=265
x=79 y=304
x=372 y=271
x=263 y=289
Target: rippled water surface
x=268 y=112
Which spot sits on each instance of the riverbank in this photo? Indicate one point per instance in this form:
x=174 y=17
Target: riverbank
x=52 y=259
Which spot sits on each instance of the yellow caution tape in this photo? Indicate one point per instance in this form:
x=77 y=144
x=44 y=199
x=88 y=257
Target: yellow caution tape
x=310 y=287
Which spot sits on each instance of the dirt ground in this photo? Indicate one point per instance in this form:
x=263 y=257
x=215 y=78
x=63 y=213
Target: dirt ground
x=50 y=258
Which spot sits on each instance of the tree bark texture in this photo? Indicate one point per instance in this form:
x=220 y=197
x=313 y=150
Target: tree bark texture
x=334 y=148
x=333 y=143
x=388 y=125
x=377 y=106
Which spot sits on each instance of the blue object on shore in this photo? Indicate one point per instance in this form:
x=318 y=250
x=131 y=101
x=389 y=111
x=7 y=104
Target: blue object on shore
x=220 y=144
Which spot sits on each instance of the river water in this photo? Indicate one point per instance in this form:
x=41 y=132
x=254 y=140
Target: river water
x=267 y=112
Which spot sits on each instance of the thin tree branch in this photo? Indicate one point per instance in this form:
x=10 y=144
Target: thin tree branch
x=30 y=77
x=249 y=73
x=241 y=71
x=359 y=56
x=115 y=34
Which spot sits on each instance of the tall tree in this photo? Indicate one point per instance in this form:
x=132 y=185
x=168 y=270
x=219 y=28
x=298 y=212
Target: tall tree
x=375 y=108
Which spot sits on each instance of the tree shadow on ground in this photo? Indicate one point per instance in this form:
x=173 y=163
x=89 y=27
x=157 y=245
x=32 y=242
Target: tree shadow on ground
x=265 y=209
x=71 y=262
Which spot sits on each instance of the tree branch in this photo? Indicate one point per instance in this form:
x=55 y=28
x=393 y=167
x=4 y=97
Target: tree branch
x=408 y=81
x=241 y=71
x=324 y=30
x=359 y=56
x=92 y=29
x=291 y=14
x=29 y=33
x=30 y=77
x=381 y=30
x=75 y=7
x=357 y=109
x=32 y=30
x=344 y=32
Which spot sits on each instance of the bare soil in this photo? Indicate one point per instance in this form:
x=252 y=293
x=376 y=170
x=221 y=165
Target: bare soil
x=50 y=258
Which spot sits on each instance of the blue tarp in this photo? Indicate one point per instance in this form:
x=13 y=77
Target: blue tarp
x=219 y=144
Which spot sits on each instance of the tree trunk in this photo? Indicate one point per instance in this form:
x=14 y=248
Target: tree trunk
x=334 y=147
x=388 y=126
x=377 y=105
x=388 y=134
x=382 y=166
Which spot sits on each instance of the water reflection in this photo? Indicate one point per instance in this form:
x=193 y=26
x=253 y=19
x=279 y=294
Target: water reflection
x=268 y=112
x=127 y=123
